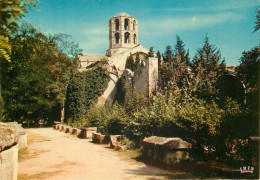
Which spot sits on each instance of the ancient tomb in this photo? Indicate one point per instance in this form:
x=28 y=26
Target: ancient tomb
x=166 y=150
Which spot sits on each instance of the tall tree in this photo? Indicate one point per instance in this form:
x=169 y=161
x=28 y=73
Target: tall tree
x=159 y=60
x=130 y=63
x=179 y=49
x=248 y=73
x=207 y=67
x=151 y=53
x=137 y=62
x=257 y=26
x=168 y=55
x=10 y=11
x=36 y=80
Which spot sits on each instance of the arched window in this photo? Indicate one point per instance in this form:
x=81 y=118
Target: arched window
x=126 y=24
x=117 y=24
x=127 y=38
x=135 y=39
x=117 y=35
x=134 y=25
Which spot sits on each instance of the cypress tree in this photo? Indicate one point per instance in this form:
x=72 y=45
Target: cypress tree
x=207 y=67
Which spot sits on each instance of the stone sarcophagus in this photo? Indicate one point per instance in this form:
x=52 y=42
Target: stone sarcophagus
x=100 y=138
x=76 y=131
x=87 y=132
x=166 y=150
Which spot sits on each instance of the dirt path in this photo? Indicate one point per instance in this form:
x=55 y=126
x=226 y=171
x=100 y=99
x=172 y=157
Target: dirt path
x=55 y=155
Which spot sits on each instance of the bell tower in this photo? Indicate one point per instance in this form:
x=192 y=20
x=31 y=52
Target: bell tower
x=123 y=32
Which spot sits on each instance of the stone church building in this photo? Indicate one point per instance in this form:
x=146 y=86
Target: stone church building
x=123 y=41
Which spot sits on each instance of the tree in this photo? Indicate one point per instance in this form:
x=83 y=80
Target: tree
x=130 y=63
x=175 y=66
x=257 y=26
x=137 y=64
x=207 y=67
x=159 y=60
x=151 y=53
x=36 y=80
x=179 y=49
x=248 y=73
x=168 y=55
x=83 y=90
x=10 y=10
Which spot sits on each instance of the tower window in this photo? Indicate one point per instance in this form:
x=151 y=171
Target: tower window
x=117 y=38
x=135 y=39
x=126 y=24
x=127 y=39
x=117 y=24
x=134 y=25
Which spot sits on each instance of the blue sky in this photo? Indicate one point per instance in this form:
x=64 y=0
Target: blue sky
x=229 y=23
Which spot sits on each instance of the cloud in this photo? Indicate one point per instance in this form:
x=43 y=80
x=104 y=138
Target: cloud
x=99 y=30
x=193 y=22
x=215 y=6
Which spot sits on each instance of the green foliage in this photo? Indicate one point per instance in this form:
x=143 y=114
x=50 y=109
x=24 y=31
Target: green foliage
x=134 y=64
x=175 y=66
x=83 y=90
x=36 y=80
x=248 y=73
x=207 y=68
x=168 y=55
x=151 y=53
x=11 y=11
x=5 y=48
x=159 y=60
x=180 y=51
x=257 y=26
x=130 y=64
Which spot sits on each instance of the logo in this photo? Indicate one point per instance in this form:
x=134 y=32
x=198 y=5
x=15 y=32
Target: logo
x=248 y=169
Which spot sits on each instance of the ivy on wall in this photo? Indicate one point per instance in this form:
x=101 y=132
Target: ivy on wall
x=83 y=90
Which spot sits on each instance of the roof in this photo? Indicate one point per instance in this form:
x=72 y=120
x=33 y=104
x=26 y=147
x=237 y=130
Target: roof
x=123 y=14
x=89 y=60
x=83 y=57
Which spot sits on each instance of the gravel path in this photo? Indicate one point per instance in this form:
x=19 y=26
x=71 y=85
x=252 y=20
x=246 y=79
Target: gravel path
x=55 y=155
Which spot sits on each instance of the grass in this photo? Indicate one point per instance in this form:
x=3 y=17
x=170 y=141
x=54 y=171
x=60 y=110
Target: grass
x=41 y=175
x=188 y=170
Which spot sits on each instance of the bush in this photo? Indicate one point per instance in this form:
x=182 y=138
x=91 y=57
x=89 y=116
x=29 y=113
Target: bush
x=84 y=90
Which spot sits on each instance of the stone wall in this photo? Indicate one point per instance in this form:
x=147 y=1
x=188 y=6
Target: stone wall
x=110 y=93
x=139 y=80
x=12 y=138
x=145 y=79
x=152 y=75
x=9 y=163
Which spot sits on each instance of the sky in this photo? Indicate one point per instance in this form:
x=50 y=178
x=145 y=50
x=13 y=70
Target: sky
x=229 y=24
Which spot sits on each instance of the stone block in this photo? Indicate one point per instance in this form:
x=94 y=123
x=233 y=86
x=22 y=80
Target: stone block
x=9 y=136
x=70 y=130
x=87 y=132
x=22 y=141
x=58 y=126
x=116 y=140
x=100 y=138
x=67 y=129
x=9 y=164
x=62 y=127
x=167 y=150
x=76 y=131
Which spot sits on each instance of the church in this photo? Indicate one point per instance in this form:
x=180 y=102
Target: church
x=123 y=42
